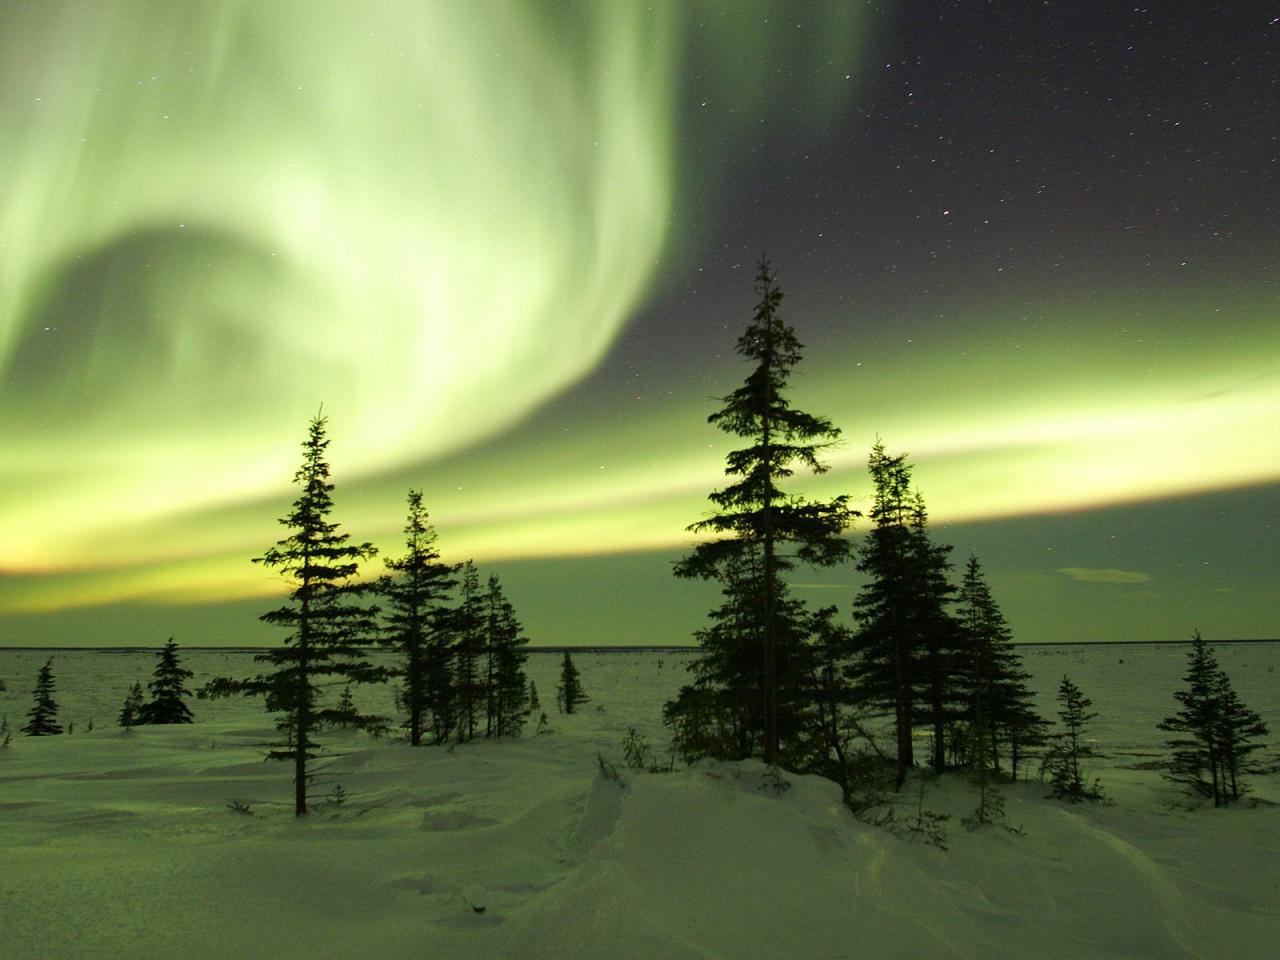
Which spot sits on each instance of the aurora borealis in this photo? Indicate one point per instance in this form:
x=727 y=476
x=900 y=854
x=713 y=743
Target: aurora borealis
x=509 y=247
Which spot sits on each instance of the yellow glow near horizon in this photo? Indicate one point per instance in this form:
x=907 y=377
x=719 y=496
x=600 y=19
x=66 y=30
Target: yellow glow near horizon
x=1041 y=445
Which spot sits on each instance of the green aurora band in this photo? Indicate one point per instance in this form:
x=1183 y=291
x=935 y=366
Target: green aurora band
x=218 y=215
x=436 y=218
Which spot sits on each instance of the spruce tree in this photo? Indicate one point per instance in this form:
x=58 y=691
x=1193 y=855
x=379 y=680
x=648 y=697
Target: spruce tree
x=1218 y=731
x=885 y=645
x=1238 y=732
x=1062 y=761
x=1195 y=761
x=907 y=645
x=998 y=700
x=167 y=703
x=132 y=708
x=508 y=696
x=570 y=695
x=42 y=718
x=936 y=632
x=326 y=619
x=415 y=598
x=467 y=626
x=757 y=520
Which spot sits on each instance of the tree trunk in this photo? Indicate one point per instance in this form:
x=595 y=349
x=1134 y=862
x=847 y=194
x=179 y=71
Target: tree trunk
x=770 y=639
x=302 y=707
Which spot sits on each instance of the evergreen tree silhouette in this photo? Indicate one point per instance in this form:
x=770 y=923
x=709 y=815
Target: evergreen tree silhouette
x=42 y=718
x=998 y=700
x=467 y=625
x=133 y=702
x=722 y=713
x=907 y=644
x=415 y=598
x=756 y=519
x=1062 y=761
x=1195 y=761
x=508 y=697
x=570 y=695
x=1218 y=730
x=1238 y=731
x=167 y=703
x=937 y=634
x=326 y=621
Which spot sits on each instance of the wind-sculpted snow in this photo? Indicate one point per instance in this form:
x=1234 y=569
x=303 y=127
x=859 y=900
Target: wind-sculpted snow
x=121 y=844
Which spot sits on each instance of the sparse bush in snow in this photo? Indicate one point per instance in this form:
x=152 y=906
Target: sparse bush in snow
x=927 y=825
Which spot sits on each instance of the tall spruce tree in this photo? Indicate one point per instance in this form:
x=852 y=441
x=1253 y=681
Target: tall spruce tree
x=936 y=633
x=1238 y=735
x=508 y=698
x=42 y=718
x=168 y=690
x=907 y=644
x=1195 y=761
x=759 y=521
x=884 y=669
x=467 y=625
x=414 y=597
x=998 y=700
x=326 y=617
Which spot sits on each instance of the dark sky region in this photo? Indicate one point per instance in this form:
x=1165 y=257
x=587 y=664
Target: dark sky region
x=509 y=246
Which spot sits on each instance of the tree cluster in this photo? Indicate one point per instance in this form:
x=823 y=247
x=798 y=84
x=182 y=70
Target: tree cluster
x=1216 y=732
x=459 y=666
x=933 y=656
x=789 y=684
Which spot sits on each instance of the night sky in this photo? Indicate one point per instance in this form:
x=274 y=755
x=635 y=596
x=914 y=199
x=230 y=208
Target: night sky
x=510 y=246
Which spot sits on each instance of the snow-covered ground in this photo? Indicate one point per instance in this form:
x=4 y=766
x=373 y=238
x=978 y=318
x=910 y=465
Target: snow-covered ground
x=121 y=844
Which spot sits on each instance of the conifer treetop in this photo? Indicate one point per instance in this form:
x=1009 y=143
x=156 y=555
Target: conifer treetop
x=754 y=507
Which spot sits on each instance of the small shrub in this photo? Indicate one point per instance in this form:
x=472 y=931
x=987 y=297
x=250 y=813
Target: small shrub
x=634 y=750
x=927 y=825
